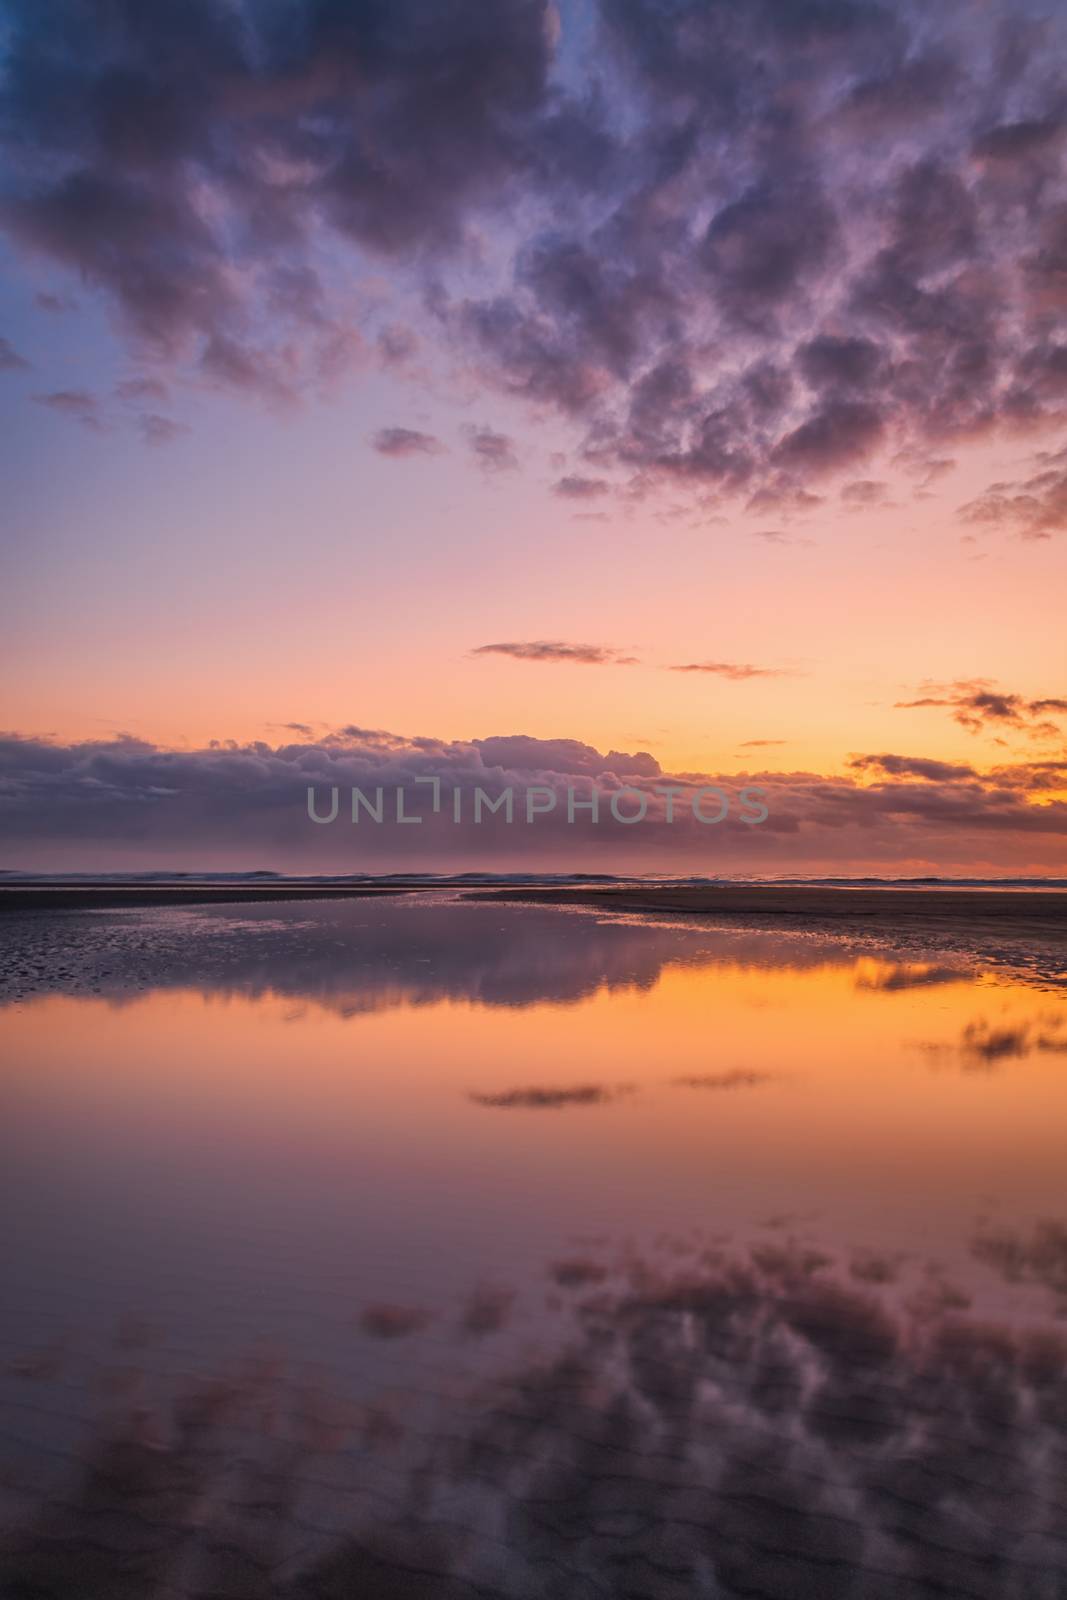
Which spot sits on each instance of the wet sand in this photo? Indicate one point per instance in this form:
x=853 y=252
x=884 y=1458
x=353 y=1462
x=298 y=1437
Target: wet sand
x=108 y=896
x=1040 y=914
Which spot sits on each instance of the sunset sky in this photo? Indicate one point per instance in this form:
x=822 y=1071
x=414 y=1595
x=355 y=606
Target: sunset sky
x=650 y=378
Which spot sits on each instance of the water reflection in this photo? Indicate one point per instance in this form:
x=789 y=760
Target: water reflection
x=725 y=1423
x=359 y=956
x=428 y=1250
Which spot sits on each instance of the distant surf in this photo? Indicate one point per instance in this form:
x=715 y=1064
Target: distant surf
x=264 y=876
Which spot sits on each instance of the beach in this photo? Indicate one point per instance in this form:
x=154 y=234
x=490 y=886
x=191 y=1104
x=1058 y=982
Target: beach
x=1041 y=914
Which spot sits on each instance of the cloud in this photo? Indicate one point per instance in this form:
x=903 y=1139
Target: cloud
x=520 y=753
x=551 y=1098
x=832 y=362
x=77 y=404
x=494 y=452
x=10 y=360
x=593 y=655
x=159 y=430
x=760 y=744
x=139 y=390
x=750 y=1410
x=736 y=1078
x=839 y=433
x=900 y=977
x=865 y=492
x=1038 y=777
x=486 y=1310
x=577 y=1272
x=763 y=248
x=1038 y=1255
x=1033 y=507
x=736 y=249
x=403 y=442
x=914 y=767
x=124 y=800
x=978 y=706
x=576 y=488
x=384 y=1321
x=736 y=672
x=118 y=127
x=983 y=1046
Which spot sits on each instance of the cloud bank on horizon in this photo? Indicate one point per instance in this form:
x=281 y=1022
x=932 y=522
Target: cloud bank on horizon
x=126 y=802
x=741 y=251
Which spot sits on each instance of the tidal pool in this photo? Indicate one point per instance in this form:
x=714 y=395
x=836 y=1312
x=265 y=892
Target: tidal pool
x=433 y=1247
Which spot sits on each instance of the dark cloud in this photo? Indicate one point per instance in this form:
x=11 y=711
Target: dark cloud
x=914 y=767
x=386 y=123
x=551 y=1097
x=832 y=362
x=577 y=1272
x=394 y=1322
x=591 y=655
x=400 y=442
x=978 y=706
x=1015 y=141
x=842 y=432
x=486 y=1310
x=10 y=360
x=984 y=1046
x=495 y=452
x=1034 y=507
x=765 y=247
x=241 y=366
x=1039 y=777
x=739 y=248
x=126 y=799
x=577 y=488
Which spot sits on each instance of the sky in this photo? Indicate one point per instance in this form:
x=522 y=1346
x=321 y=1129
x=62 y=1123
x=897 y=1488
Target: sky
x=618 y=392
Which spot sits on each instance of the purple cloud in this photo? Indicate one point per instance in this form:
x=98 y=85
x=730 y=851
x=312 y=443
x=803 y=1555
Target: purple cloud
x=77 y=404
x=403 y=442
x=10 y=360
x=736 y=249
x=978 y=706
x=126 y=800
x=736 y=672
x=589 y=655
x=494 y=452
x=578 y=488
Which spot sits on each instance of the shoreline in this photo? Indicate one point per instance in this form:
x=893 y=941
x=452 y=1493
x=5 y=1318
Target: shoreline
x=1040 y=914
x=1011 y=911
x=112 y=896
